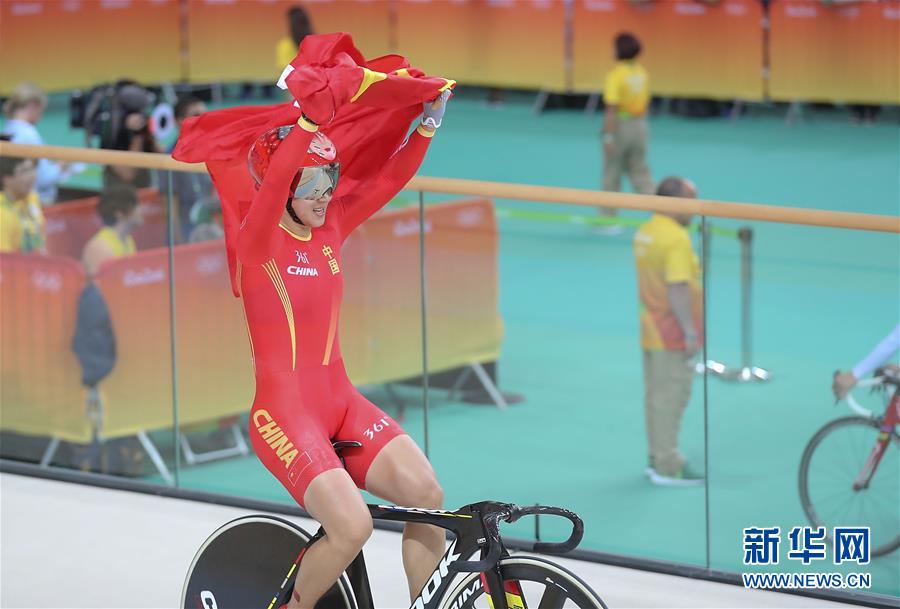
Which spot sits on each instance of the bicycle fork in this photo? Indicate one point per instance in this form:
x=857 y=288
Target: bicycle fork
x=886 y=430
x=511 y=596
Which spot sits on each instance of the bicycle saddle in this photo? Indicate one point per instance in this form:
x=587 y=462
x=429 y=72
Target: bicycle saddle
x=340 y=445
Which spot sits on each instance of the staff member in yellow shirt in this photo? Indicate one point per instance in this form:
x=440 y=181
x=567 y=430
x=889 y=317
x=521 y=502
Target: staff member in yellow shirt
x=626 y=96
x=21 y=217
x=671 y=313
x=120 y=211
x=299 y=27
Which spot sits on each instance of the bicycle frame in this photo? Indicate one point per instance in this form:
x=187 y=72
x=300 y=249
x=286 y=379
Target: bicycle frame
x=475 y=529
x=890 y=419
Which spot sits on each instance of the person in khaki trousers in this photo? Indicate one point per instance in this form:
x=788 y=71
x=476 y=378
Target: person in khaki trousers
x=671 y=314
x=626 y=95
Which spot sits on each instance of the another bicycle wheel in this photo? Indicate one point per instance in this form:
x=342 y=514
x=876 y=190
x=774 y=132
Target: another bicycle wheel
x=250 y=562
x=832 y=461
x=544 y=585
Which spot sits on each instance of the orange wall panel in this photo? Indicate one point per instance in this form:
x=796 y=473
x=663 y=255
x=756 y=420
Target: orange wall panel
x=849 y=53
x=505 y=43
x=689 y=48
x=236 y=39
x=65 y=44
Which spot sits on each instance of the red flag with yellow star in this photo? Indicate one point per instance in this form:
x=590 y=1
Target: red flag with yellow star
x=365 y=107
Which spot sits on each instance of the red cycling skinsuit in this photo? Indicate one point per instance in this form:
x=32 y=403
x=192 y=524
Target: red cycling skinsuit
x=292 y=290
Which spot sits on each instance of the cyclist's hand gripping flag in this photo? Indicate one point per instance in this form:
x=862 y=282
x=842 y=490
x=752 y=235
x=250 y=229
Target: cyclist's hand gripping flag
x=364 y=106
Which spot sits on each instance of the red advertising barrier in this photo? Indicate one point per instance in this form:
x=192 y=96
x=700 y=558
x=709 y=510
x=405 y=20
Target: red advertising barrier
x=463 y=320
x=380 y=327
x=40 y=380
x=211 y=346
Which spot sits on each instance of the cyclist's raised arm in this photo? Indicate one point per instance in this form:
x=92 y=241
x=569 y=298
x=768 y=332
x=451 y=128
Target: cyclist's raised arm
x=363 y=201
x=366 y=199
x=255 y=239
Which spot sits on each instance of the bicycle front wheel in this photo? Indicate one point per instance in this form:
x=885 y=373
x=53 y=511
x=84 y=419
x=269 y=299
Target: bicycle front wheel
x=832 y=462
x=544 y=584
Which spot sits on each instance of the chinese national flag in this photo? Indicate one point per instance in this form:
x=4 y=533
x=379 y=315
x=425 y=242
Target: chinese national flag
x=373 y=103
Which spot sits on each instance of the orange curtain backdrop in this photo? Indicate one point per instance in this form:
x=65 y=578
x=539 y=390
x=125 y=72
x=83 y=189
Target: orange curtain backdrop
x=236 y=39
x=848 y=53
x=689 y=48
x=65 y=44
x=503 y=43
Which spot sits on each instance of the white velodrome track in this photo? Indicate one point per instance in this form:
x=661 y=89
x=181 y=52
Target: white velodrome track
x=71 y=545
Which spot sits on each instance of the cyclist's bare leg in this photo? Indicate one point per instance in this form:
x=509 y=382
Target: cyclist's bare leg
x=402 y=474
x=333 y=499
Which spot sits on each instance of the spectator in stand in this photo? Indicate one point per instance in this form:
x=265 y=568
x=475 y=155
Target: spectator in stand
x=188 y=188
x=120 y=211
x=206 y=216
x=21 y=217
x=94 y=343
x=24 y=110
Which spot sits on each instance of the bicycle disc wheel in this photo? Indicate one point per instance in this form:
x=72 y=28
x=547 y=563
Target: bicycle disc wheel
x=249 y=562
x=544 y=585
x=832 y=461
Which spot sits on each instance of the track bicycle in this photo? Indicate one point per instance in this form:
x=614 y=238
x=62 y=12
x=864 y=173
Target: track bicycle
x=252 y=561
x=850 y=469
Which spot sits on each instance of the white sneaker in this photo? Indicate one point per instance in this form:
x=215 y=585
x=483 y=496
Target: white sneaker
x=608 y=230
x=683 y=478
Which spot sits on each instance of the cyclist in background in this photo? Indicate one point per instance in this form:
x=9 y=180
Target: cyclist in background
x=845 y=381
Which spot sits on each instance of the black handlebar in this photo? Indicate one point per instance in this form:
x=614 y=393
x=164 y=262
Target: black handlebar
x=554 y=548
x=511 y=513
